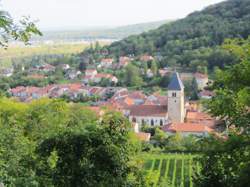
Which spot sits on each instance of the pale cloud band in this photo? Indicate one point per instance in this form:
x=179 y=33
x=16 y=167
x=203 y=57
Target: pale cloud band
x=84 y=13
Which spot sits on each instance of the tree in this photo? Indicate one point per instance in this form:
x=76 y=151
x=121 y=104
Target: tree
x=227 y=162
x=10 y=30
x=132 y=76
x=154 y=67
x=160 y=137
x=82 y=66
x=52 y=143
x=98 y=157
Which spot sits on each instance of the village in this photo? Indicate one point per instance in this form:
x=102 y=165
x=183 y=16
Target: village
x=172 y=111
x=94 y=97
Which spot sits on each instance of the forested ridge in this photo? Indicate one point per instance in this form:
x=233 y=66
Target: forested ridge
x=195 y=37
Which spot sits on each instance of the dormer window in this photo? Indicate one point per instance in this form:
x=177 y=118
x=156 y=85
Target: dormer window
x=173 y=94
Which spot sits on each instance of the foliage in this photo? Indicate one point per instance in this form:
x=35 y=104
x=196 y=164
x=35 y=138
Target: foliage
x=18 y=31
x=132 y=77
x=226 y=163
x=232 y=89
x=52 y=143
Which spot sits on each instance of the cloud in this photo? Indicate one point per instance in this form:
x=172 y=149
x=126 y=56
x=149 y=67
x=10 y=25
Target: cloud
x=73 y=13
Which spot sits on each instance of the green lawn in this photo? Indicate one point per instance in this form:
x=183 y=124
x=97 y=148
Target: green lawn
x=170 y=169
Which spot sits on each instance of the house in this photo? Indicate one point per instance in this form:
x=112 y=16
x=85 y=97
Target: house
x=46 y=68
x=123 y=61
x=186 y=129
x=6 y=72
x=72 y=90
x=148 y=114
x=64 y=66
x=94 y=77
x=106 y=62
x=16 y=92
x=201 y=80
x=149 y=73
x=146 y=58
x=90 y=72
x=72 y=74
x=206 y=94
x=28 y=93
x=98 y=77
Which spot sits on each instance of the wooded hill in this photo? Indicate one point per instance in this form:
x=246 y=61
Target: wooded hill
x=193 y=37
x=115 y=33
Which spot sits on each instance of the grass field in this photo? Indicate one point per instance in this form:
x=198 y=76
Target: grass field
x=172 y=170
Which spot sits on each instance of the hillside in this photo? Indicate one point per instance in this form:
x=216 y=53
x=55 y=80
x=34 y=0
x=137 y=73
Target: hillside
x=114 y=33
x=192 y=36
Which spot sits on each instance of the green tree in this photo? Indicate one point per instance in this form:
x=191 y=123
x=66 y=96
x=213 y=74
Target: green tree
x=100 y=156
x=154 y=67
x=10 y=30
x=227 y=163
x=132 y=76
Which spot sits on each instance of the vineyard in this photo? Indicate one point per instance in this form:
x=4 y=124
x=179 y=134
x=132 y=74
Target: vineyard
x=170 y=170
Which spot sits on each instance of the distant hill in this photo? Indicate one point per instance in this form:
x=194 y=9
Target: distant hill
x=115 y=33
x=184 y=40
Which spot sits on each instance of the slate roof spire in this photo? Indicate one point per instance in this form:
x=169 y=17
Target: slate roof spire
x=175 y=83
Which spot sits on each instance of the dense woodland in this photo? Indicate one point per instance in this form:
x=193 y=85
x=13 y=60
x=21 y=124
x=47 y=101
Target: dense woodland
x=194 y=40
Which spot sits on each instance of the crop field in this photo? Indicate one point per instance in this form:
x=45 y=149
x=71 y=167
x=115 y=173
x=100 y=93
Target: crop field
x=172 y=170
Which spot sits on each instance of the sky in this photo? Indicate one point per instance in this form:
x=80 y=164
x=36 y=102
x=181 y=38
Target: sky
x=72 y=14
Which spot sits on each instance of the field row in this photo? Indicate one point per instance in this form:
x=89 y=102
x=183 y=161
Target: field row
x=170 y=171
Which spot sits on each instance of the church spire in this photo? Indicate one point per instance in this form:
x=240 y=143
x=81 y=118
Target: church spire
x=175 y=83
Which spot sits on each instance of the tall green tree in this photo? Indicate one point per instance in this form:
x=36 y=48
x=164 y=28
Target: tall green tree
x=132 y=76
x=227 y=162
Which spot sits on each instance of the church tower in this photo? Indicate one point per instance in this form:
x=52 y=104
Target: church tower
x=176 y=111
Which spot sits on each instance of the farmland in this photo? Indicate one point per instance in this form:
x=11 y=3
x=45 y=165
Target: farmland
x=170 y=169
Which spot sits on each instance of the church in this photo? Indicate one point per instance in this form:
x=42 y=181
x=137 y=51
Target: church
x=160 y=115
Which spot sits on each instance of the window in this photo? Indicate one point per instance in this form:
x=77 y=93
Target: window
x=152 y=122
x=143 y=122
x=161 y=122
x=173 y=94
x=134 y=119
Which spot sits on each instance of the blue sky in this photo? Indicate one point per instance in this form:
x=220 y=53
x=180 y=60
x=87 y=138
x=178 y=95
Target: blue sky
x=70 y=14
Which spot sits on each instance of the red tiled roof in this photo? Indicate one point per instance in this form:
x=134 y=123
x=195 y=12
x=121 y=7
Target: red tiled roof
x=156 y=99
x=186 y=127
x=136 y=95
x=17 y=89
x=207 y=93
x=198 y=116
x=148 y=110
